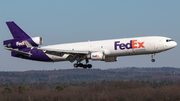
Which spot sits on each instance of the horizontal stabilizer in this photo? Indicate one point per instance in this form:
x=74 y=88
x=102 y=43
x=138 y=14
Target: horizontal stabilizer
x=19 y=52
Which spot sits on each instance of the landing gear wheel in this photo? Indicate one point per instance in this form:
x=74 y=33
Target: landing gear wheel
x=89 y=66
x=153 y=60
x=81 y=65
x=76 y=65
x=85 y=66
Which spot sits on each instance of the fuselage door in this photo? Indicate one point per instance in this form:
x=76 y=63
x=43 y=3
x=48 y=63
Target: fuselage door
x=159 y=45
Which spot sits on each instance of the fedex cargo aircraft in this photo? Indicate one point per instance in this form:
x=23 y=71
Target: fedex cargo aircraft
x=26 y=47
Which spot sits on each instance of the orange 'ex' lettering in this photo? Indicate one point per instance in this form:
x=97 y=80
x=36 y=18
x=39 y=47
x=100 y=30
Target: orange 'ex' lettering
x=134 y=43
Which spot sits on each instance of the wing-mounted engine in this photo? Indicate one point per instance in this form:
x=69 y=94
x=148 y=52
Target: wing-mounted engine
x=16 y=43
x=95 y=56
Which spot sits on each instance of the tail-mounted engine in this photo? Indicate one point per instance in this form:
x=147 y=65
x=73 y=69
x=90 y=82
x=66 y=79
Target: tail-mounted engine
x=15 y=43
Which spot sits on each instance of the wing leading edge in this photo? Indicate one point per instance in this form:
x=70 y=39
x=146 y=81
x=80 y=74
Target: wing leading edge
x=58 y=51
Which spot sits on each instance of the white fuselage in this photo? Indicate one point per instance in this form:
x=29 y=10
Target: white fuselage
x=117 y=47
x=26 y=47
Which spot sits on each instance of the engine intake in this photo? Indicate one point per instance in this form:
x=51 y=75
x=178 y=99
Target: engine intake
x=38 y=40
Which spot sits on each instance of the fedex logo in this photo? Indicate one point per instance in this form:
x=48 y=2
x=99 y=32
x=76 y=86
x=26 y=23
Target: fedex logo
x=132 y=45
x=95 y=55
x=20 y=43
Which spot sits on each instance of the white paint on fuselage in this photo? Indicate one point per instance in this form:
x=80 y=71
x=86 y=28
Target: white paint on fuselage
x=152 y=44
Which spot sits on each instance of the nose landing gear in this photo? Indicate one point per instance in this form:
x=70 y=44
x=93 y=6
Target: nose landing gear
x=152 y=56
x=153 y=60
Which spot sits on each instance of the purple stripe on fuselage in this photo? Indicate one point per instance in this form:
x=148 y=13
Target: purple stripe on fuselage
x=37 y=55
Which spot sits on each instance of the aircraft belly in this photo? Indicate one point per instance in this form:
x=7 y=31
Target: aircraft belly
x=58 y=58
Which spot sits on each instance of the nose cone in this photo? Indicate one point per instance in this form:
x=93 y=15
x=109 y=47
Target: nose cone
x=173 y=44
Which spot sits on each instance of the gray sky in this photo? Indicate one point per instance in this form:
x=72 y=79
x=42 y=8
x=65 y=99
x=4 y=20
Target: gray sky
x=66 y=21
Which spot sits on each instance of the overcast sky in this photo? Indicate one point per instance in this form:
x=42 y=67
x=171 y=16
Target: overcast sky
x=67 y=21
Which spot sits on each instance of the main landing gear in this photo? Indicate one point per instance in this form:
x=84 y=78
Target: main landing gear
x=79 y=64
x=76 y=65
x=152 y=56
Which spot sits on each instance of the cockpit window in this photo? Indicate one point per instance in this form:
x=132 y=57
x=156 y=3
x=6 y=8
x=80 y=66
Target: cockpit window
x=168 y=40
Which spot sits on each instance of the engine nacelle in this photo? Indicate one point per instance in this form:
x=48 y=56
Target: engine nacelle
x=111 y=59
x=15 y=43
x=97 y=56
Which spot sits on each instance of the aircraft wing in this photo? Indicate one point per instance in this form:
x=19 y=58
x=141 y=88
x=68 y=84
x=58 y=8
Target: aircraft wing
x=64 y=51
x=19 y=52
x=72 y=53
x=60 y=52
x=57 y=51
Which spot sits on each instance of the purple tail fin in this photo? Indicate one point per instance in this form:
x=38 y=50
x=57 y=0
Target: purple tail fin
x=16 y=31
x=19 y=37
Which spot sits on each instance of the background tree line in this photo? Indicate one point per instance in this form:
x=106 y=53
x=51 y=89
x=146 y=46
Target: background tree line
x=120 y=84
x=93 y=91
x=88 y=75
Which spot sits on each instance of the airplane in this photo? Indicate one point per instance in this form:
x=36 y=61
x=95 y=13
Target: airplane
x=26 y=47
